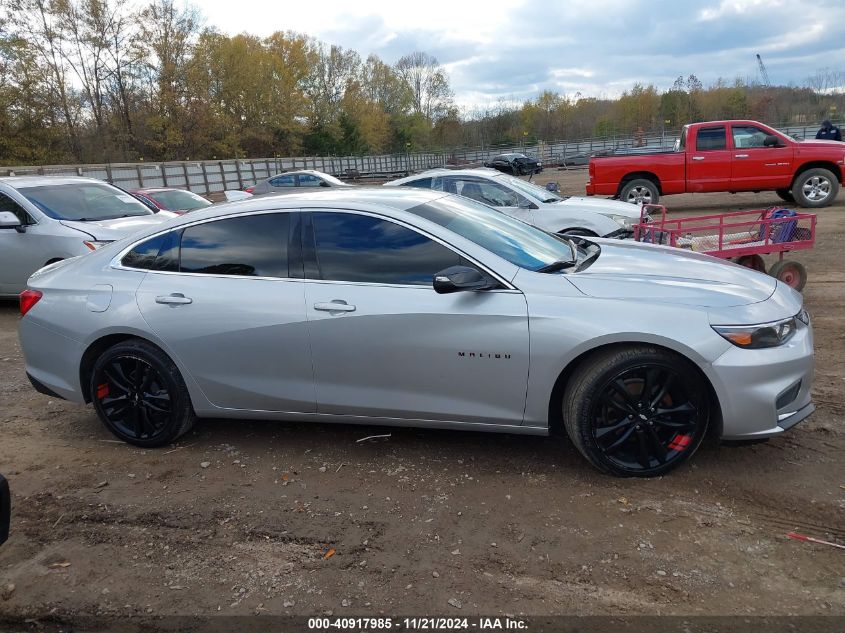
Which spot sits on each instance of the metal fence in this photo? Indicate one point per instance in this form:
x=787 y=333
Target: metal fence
x=206 y=177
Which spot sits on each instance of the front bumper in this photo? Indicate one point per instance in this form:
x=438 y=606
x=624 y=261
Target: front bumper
x=764 y=392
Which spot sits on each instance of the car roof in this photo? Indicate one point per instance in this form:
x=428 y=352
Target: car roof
x=357 y=198
x=484 y=172
x=34 y=181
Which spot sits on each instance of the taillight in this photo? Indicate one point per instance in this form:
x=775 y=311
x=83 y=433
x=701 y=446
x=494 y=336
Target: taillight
x=28 y=299
x=249 y=189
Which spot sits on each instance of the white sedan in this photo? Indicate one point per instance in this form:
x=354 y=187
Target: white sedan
x=531 y=203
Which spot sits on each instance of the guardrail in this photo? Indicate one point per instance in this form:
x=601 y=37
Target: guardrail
x=206 y=177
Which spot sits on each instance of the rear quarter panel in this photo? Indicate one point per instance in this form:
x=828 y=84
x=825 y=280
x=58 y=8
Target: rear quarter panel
x=608 y=172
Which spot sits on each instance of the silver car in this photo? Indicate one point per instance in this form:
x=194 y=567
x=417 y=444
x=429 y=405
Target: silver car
x=409 y=307
x=44 y=219
x=295 y=181
x=523 y=200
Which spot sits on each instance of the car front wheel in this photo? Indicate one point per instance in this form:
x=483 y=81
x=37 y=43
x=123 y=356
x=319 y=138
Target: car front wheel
x=638 y=411
x=140 y=395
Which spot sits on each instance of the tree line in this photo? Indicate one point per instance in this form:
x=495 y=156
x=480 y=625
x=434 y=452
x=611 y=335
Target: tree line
x=109 y=80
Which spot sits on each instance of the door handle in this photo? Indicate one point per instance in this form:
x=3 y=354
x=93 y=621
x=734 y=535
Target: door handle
x=698 y=157
x=336 y=305
x=740 y=155
x=177 y=298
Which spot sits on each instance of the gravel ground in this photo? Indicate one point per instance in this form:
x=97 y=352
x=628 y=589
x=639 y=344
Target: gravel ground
x=268 y=518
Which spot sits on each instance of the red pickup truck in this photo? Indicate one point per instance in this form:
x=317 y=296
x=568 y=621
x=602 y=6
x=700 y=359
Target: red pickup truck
x=726 y=156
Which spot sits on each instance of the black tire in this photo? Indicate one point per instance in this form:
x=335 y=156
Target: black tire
x=152 y=406
x=754 y=262
x=793 y=274
x=815 y=188
x=640 y=191
x=644 y=441
x=785 y=195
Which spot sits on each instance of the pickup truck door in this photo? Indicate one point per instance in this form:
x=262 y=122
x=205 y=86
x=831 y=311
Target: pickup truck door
x=755 y=167
x=708 y=160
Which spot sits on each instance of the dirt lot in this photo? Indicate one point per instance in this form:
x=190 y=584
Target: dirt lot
x=492 y=523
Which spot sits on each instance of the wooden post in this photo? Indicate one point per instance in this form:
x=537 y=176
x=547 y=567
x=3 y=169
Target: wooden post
x=187 y=178
x=140 y=176
x=204 y=177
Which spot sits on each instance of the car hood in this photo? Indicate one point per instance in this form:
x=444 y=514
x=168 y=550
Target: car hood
x=119 y=227
x=601 y=205
x=628 y=270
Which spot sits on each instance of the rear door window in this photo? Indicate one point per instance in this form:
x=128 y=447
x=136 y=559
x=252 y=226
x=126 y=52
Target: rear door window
x=283 y=181
x=711 y=138
x=249 y=246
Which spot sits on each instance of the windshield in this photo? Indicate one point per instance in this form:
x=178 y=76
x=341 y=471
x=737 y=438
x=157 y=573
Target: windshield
x=536 y=192
x=521 y=244
x=84 y=201
x=176 y=200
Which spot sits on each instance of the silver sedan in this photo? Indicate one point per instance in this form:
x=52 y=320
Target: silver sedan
x=415 y=308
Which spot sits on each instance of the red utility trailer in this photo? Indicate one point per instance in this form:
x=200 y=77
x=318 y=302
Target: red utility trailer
x=741 y=236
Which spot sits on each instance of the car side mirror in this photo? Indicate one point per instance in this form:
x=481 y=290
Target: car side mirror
x=5 y=510
x=460 y=279
x=527 y=204
x=9 y=220
x=323 y=183
x=772 y=141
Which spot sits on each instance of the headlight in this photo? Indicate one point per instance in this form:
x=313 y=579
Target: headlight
x=762 y=335
x=95 y=244
x=623 y=220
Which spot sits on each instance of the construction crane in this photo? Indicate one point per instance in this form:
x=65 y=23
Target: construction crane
x=763 y=72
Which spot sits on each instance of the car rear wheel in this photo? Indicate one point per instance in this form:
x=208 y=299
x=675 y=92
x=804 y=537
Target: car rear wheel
x=640 y=191
x=638 y=411
x=815 y=188
x=140 y=395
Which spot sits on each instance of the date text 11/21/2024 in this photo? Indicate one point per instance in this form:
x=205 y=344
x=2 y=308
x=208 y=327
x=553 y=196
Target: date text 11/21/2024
x=422 y=623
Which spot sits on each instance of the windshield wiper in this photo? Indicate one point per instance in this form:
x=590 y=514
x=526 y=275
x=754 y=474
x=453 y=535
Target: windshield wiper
x=560 y=264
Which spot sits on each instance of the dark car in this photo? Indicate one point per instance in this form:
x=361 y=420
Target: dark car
x=5 y=510
x=169 y=199
x=516 y=164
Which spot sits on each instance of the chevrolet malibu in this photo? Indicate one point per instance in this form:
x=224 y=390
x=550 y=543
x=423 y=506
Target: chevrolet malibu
x=407 y=307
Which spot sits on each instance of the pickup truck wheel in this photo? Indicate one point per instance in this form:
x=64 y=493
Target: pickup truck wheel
x=815 y=188
x=640 y=191
x=785 y=195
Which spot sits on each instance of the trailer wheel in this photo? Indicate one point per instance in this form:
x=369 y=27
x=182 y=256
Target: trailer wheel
x=791 y=273
x=640 y=191
x=754 y=262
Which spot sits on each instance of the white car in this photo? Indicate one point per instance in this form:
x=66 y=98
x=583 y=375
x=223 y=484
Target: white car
x=45 y=219
x=531 y=203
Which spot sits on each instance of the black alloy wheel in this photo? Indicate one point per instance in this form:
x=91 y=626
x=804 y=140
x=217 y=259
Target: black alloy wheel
x=645 y=419
x=636 y=412
x=140 y=396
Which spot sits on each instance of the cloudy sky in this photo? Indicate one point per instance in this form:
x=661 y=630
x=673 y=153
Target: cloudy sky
x=512 y=50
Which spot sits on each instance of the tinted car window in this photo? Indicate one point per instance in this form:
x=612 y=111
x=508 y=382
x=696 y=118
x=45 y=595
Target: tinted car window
x=157 y=253
x=307 y=180
x=710 y=138
x=360 y=248
x=283 y=181
x=7 y=204
x=253 y=246
x=422 y=183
